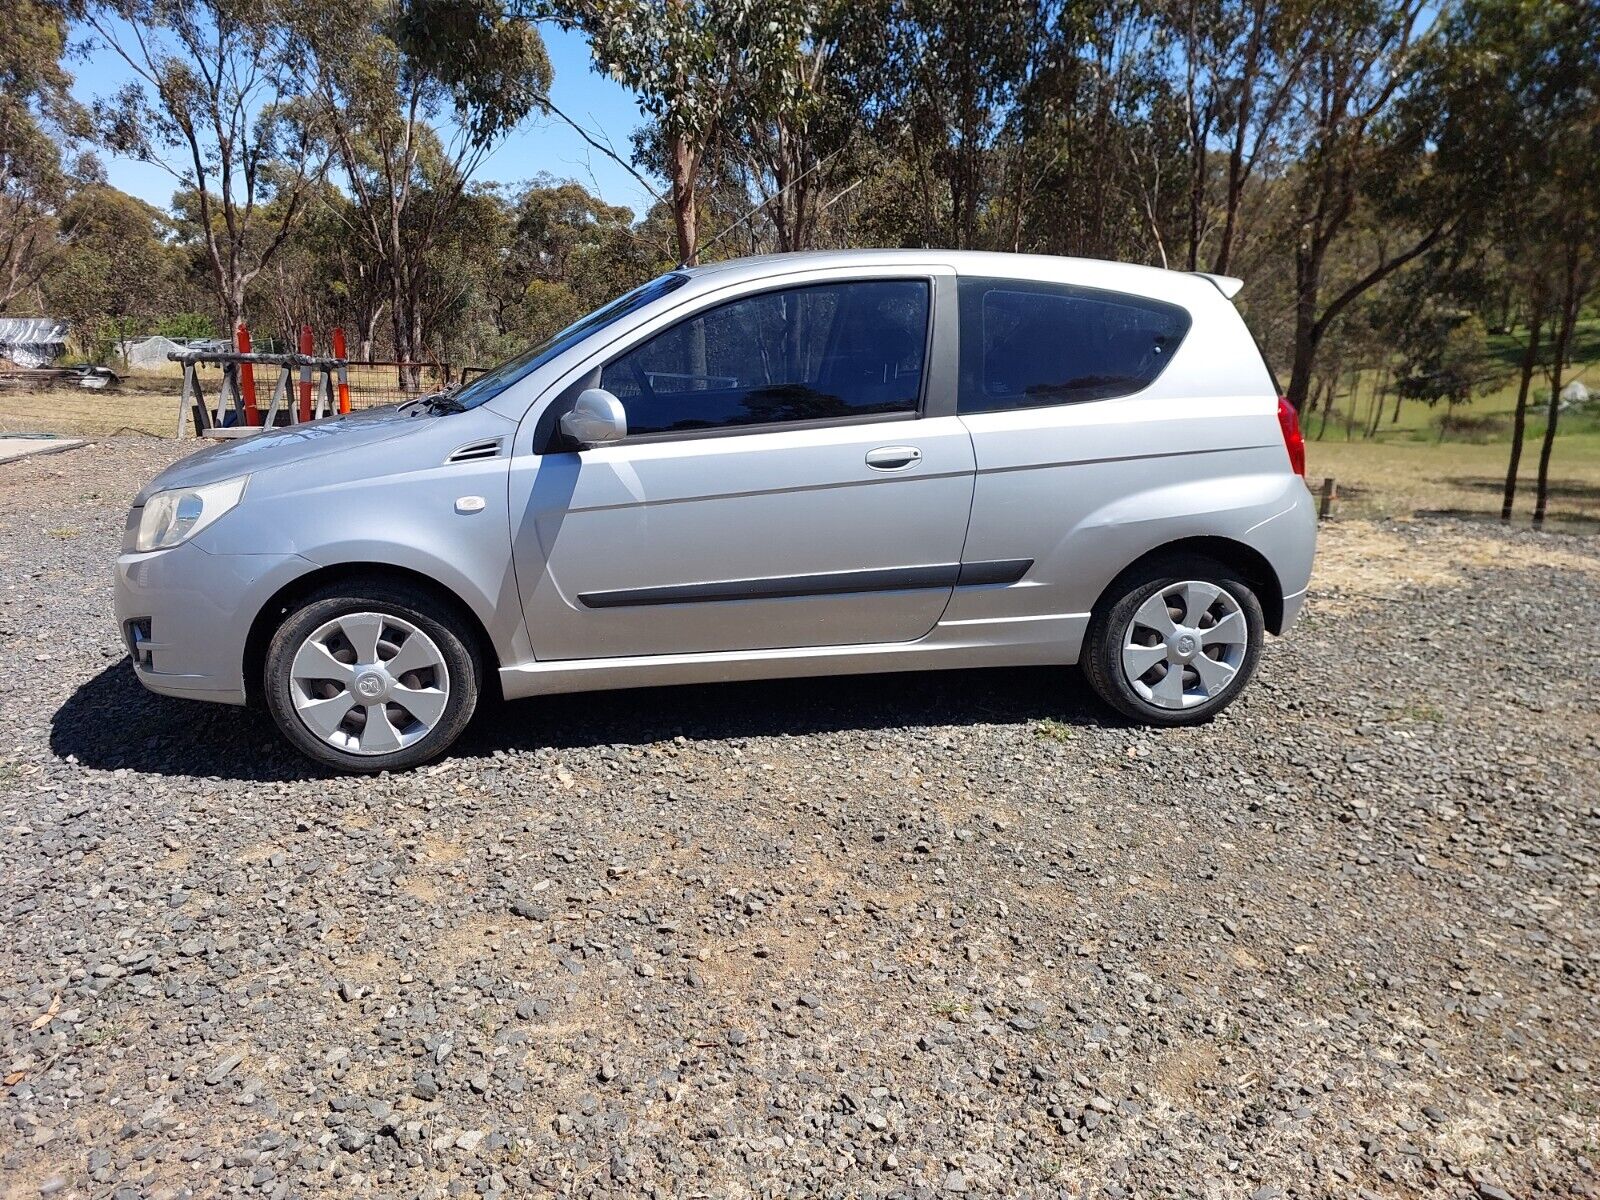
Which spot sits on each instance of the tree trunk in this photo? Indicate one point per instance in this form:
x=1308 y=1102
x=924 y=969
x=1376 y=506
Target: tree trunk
x=232 y=297
x=1519 y=421
x=684 y=169
x=1306 y=332
x=1380 y=385
x=683 y=201
x=1350 y=417
x=1305 y=353
x=1569 y=318
x=400 y=322
x=1326 y=400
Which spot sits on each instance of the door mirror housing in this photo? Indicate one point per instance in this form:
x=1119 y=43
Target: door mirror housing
x=597 y=419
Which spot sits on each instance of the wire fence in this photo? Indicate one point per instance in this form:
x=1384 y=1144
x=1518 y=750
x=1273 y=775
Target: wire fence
x=375 y=384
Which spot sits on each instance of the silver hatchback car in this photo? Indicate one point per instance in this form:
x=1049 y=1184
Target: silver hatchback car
x=810 y=464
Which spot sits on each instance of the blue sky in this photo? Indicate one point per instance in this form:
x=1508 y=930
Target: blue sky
x=543 y=145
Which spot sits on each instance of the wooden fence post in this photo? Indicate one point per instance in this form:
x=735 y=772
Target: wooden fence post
x=280 y=399
x=1330 y=493
x=190 y=397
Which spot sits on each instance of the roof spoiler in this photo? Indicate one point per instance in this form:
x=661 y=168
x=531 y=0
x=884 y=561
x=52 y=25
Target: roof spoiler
x=1226 y=284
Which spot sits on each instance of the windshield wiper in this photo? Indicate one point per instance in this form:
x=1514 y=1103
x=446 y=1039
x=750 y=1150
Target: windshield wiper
x=444 y=402
x=439 y=402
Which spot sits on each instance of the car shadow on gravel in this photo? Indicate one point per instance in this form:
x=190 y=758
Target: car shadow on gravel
x=768 y=708
x=111 y=722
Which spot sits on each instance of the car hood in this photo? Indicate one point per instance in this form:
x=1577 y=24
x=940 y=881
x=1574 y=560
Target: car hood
x=280 y=447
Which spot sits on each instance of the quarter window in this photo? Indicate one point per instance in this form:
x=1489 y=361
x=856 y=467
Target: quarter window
x=1026 y=345
x=812 y=353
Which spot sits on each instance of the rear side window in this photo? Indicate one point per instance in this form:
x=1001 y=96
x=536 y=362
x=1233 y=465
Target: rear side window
x=826 y=351
x=1027 y=345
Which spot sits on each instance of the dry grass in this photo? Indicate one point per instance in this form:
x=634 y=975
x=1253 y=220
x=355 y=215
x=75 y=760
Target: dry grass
x=1404 y=479
x=142 y=404
x=1359 y=560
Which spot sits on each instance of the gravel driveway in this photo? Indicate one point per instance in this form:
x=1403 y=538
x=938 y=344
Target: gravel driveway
x=900 y=936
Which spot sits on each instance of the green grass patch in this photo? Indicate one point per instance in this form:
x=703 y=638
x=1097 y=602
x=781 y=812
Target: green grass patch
x=1486 y=418
x=1053 y=730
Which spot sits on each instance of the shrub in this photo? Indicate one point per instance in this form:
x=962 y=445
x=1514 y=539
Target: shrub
x=1467 y=427
x=182 y=326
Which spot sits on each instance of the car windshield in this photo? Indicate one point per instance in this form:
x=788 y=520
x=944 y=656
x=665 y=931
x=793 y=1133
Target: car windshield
x=487 y=387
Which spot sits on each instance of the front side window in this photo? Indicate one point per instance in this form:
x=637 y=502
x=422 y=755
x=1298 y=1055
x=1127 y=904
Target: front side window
x=1026 y=345
x=486 y=387
x=818 y=352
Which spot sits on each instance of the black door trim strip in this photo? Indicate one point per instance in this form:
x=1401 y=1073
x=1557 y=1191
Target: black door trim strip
x=832 y=583
x=1000 y=570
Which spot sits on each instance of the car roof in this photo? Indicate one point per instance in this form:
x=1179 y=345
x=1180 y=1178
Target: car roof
x=1088 y=272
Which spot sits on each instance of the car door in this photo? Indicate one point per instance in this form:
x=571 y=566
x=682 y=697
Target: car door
x=794 y=476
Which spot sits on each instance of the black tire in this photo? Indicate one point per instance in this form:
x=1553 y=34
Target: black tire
x=413 y=605
x=1102 y=651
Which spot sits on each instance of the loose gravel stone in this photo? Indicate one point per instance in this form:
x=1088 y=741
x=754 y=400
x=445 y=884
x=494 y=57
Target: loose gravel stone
x=894 y=936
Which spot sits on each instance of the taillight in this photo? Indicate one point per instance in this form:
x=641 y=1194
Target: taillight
x=1293 y=441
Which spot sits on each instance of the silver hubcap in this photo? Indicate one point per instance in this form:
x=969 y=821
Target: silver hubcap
x=1185 y=645
x=369 y=683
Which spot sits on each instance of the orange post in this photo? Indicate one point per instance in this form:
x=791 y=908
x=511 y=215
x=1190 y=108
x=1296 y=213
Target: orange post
x=247 y=376
x=308 y=347
x=344 y=378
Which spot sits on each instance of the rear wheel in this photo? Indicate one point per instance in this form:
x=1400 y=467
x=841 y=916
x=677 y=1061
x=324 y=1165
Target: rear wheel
x=1175 y=643
x=371 y=677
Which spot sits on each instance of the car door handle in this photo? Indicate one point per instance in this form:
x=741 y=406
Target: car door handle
x=893 y=458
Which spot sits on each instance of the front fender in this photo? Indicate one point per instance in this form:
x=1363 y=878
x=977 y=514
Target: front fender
x=410 y=519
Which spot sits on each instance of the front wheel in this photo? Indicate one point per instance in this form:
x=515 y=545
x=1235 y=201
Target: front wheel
x=371 y=677
x=1176 y=642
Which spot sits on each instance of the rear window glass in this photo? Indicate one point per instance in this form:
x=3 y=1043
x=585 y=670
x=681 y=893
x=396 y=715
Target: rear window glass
x=1027 y=345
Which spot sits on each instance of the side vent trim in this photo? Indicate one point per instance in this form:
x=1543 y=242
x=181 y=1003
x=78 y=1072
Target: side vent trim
x=476 y=451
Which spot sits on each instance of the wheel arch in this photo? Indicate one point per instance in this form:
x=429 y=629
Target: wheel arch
x=1251 y=565
x=284 y=600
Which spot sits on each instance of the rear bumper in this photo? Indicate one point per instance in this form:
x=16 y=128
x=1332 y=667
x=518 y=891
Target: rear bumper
x=185 y=616
x=1291 y=610
x=1288 y=541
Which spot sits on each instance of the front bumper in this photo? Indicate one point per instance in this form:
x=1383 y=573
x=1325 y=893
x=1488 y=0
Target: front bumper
x=185 y=616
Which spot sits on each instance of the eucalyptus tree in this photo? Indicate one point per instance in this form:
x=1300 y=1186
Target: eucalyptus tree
x=215 y=102
x=557 y=226
x=1237 y=65
x=1574 y=263
x=414 y=95
x=801 y=109
x=1506 y=100
x=118 y=271
x=1093 y=146
x=1557 y=244
x=685 y=61
x=959 y=67
x=37 y=117
x=1363 y=57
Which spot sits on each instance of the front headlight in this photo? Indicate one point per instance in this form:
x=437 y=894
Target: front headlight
x=172 y=517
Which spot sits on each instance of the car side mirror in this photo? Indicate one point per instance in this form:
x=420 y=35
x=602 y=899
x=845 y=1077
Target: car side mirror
x=597 y=419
